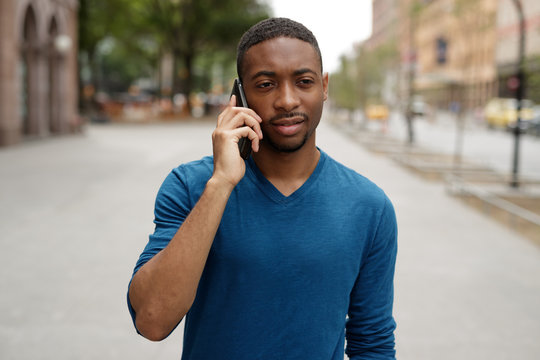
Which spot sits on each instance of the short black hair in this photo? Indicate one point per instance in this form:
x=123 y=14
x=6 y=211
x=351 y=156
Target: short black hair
x=270 y=29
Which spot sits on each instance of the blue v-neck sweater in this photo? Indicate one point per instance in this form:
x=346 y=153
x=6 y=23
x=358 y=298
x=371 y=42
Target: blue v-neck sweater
x=288 y=277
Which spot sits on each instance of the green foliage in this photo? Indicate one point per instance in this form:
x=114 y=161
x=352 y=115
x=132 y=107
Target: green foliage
x=190 y=29
x=99 y=19
x=359 y=80
x=344 y=85
x=113 y=50
x=115 y=73
x=194 y=31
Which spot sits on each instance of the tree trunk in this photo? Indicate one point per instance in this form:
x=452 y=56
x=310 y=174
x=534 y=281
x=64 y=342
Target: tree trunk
x=188 y=86
x=176 y=83
x=459 y=139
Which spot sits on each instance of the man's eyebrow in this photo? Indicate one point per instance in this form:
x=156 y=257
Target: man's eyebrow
x=263 y=73
x=304 y=71
x=268 y=73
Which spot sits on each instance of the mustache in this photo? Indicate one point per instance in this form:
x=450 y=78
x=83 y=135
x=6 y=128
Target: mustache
x=289 y=115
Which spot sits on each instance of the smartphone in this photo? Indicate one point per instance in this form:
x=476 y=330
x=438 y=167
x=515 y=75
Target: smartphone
x=244 y=145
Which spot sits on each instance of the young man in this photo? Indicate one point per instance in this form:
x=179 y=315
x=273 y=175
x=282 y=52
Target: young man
x=281 y=256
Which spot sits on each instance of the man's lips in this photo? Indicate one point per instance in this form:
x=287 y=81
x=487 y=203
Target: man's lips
x=288 y=124
x=288 y=121
x=288 y=127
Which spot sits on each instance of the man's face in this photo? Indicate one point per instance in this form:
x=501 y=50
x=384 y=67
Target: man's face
x=283 y=83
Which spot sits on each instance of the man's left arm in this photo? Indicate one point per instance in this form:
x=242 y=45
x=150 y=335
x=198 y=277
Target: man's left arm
x=370 y=327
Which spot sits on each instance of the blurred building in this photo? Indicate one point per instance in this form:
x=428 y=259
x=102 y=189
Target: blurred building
x=38 y=68
x=507 y=51
x=455 y=54
x=445 y=50
x=384 y=38
x=385 y=24
x=455 y=42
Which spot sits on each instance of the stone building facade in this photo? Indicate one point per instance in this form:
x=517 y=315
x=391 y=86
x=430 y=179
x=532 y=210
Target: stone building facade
x=455 y=44
x=38 y=69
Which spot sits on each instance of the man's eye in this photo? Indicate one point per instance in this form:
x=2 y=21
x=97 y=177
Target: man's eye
x=264 y=84
x=305 y=81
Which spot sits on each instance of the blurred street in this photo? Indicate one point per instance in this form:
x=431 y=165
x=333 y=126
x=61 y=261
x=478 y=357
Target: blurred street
x=76 y=212
x=490 y=147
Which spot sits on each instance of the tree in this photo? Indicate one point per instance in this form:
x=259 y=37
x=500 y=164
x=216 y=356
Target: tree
x=144 y=30
x=475 y=24
x=191 y=28
x=415 y=10
x=344 y=86
x=98 y=19
x=360 y=78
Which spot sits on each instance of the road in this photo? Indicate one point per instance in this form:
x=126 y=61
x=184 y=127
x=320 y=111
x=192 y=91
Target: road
x=76 y=212
x=491 y=147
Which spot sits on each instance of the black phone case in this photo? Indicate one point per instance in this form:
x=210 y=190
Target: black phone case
x=244 y=145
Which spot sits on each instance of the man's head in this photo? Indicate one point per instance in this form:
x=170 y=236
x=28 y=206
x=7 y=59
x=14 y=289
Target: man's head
x=280 y=66
x=270 y=29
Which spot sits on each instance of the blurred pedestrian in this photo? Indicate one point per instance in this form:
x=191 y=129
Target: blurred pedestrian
x=280 y=256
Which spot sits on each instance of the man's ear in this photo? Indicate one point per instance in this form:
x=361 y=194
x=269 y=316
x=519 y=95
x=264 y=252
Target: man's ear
x=325 y=85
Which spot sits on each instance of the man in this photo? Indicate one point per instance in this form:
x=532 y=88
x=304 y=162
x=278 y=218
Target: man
x=272 y=257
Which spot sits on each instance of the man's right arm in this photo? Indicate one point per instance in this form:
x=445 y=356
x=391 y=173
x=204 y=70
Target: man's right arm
x=163 y=290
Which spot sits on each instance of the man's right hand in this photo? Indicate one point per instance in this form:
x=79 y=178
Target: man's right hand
x=233 y=124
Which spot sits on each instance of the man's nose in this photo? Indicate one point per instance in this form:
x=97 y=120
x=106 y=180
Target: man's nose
x=287 y=97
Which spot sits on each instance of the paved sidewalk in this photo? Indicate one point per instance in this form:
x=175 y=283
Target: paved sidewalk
x=76 y=212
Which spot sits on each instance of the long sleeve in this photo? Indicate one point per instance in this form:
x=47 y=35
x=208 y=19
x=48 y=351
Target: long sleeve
x=370 y=326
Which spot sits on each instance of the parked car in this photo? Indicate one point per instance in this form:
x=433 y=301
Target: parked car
x=502 y=112
x=534 y=124
x=377 y=112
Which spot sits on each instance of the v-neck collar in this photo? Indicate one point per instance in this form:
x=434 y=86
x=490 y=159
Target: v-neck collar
x=272 y=192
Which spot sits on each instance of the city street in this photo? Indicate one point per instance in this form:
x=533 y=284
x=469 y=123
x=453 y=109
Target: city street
x=77 y=210
x=490 y=147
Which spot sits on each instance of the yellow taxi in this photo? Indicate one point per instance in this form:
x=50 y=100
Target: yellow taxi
x=377 y=112
x=502 y=112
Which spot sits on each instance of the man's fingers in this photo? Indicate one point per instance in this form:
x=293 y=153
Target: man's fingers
x=232 y=116
x=254 y=124
x=228 y=109
x=238 y=120
x=255 y=141
x=248 y=132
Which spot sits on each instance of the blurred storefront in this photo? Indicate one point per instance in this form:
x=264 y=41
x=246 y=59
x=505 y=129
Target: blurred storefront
x=38 y=69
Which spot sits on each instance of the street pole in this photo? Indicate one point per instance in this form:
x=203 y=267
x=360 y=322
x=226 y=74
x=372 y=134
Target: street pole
x=519 y=92
x=409 y=115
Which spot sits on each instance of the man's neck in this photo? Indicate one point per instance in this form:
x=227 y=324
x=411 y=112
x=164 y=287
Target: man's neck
x=288 y=171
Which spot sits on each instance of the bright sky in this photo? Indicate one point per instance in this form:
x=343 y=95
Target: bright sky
x=337 y=24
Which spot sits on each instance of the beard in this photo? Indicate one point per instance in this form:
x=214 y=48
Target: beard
x=286 y=147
